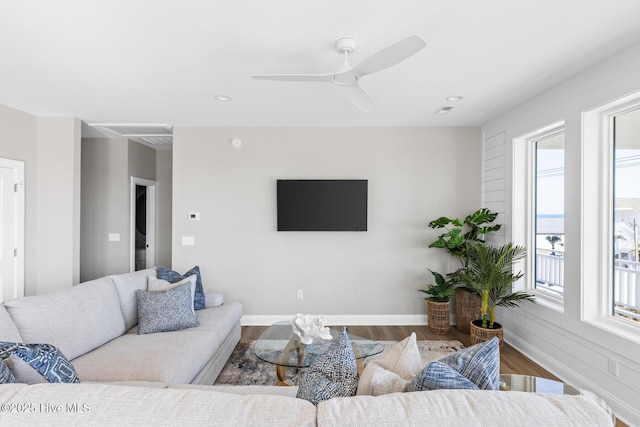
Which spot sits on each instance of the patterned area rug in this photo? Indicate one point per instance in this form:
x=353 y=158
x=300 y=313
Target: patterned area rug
x=245 y=368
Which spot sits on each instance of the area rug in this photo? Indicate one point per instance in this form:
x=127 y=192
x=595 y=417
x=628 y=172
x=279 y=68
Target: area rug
x=245 y=368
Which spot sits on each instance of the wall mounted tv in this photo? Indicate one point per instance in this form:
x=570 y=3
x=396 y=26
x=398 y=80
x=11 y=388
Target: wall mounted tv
x=322 y=205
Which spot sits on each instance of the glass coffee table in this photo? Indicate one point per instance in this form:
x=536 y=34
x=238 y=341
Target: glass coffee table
x=280 y=346
x=528 y=383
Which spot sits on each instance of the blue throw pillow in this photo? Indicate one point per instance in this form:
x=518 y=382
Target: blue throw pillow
x=6 y=376
x=332 y=374
x=44 y=358
x=164 y=311
x=173 y=277
x=475 y=367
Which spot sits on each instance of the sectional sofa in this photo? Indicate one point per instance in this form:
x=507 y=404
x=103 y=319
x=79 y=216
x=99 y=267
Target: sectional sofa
x=95 y=326
x=188 y=405
x=164 y=379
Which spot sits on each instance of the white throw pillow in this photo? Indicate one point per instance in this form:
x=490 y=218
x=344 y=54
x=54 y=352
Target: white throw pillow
x=392 y=372
x=155 y=284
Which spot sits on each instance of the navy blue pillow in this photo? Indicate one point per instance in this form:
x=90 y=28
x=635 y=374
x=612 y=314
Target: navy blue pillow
x=44 y=358
x=173 y=277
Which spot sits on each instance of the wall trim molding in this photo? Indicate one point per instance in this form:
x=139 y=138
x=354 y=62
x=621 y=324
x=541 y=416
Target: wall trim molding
x=342 y=319
x=622 y=411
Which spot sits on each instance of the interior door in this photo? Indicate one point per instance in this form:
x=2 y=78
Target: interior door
x=143 y=223
x=11 y=229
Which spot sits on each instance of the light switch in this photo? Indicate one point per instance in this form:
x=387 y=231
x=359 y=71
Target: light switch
x=188 y=241
x=114 y=237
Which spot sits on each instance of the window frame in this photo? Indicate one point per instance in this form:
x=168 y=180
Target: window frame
x=598 y=216
x=524 y=208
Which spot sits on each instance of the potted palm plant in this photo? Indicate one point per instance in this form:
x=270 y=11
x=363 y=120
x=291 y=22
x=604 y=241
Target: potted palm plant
x=438 y=303
x=490 y=274
x=458 y=233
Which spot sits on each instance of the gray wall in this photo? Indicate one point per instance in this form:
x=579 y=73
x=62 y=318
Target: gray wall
x=415 y=175
x=105 y=207
x=107 y=167
x=19 y=141
x=142 y=161
x=58 y=202
x=164 y=177
x=50 y=148
x=562 y=341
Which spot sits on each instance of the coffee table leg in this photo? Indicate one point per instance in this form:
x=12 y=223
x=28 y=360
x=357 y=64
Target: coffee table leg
x=281 y=372
x=281 y=368
x=359 y=362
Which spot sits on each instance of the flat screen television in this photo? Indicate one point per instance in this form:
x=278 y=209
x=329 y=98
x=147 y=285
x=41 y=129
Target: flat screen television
x=322 y=204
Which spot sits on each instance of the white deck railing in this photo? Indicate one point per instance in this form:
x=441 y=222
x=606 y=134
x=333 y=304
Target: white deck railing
x=550 y=277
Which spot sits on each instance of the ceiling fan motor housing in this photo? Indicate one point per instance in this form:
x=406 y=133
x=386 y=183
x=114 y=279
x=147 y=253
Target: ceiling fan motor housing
x=346 y=45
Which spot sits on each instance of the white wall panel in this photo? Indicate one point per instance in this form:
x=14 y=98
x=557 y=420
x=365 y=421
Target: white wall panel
x=561 y=341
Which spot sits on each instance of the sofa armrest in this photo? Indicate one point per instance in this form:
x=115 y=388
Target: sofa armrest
x=212 y=299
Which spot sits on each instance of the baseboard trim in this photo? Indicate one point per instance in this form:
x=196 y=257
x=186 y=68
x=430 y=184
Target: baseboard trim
x=342 y=319
x=622 y=411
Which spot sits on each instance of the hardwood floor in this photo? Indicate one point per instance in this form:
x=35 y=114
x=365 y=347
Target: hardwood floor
x=511 y=360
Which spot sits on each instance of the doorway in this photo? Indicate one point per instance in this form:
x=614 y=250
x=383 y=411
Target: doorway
x=11 y=229
x=143 y=224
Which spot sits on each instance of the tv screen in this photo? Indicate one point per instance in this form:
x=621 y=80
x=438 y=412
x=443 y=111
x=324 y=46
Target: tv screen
x=322 y=205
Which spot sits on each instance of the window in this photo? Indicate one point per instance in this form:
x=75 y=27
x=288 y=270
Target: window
x=538 y=211
x=549 y=214
x=610 y=206
x=626 y=215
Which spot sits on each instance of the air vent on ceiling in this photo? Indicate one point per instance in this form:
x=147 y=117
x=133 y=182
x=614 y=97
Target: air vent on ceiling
x=153 y=135
x=444 y=109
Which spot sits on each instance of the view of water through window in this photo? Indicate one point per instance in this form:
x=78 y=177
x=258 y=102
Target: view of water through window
x=549 y=214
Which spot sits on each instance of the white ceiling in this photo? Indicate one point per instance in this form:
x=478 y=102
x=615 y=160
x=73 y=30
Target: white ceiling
x=152 y=61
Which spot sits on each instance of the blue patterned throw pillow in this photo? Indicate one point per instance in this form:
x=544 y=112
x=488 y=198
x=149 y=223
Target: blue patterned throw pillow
x=475 y=367
x=164 y=311
x=46 y=359
x=6 y=376
x=333 y=374
x=173 y=277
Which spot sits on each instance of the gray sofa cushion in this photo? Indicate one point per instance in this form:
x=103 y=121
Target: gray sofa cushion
x=90 y=310
x=439 y=408
x=169 y=357
x=127 y=284
x=8 y=330
x=112 y=405
x=23 y=372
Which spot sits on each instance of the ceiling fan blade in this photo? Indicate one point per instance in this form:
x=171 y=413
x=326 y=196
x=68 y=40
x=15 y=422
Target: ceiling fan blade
x=295 y=77
x=390 y=55
x=360 y=98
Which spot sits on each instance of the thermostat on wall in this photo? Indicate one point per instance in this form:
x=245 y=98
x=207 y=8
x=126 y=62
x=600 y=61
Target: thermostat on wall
x=194 y=216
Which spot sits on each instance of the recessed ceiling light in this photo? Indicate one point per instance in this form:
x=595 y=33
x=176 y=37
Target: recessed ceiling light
x=454 y=98
x=223 y=98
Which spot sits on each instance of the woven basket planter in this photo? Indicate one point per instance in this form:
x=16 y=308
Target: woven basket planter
x=480 y=334
x=439 y=317
x=467 y=306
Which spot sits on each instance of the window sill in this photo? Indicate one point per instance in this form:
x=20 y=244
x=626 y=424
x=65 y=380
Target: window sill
x=548 y=301
x=619 y=327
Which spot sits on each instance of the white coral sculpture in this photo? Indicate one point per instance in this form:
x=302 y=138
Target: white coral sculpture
x=308 y=327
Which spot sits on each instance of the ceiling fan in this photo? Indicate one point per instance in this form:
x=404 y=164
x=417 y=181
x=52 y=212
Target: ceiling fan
x=349 y=77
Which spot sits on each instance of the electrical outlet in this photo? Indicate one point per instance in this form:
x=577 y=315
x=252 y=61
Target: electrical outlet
x=300 y=294
x=613 y=367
